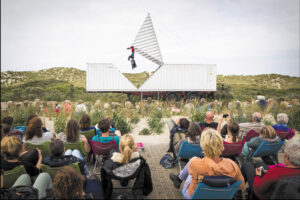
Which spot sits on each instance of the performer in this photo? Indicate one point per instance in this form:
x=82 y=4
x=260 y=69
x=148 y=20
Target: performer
x=132 y=52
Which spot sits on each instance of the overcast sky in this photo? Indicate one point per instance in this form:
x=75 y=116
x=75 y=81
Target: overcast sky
x=240 y=36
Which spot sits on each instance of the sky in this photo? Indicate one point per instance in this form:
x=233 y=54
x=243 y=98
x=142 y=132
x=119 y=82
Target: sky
x=239 y=36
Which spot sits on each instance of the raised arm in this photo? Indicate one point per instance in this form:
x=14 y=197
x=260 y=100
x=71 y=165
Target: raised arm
x=220 y=123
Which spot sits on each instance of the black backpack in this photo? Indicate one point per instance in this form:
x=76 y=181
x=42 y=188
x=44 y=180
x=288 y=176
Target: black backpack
x=20 y=192
x=167 y=161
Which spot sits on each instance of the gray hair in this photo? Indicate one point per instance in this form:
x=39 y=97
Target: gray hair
x=292 y=149
x=282 y=118
x=257 y=116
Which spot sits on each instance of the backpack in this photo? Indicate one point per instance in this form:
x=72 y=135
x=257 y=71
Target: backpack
x=20 y=192
x=167 y=161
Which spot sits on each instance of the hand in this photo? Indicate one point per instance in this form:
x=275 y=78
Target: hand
x=40 y=153
x=258 y=172
x=83 y=138
x=221 y=118
x=177 y=121
x=228 y=118
x=118 y=133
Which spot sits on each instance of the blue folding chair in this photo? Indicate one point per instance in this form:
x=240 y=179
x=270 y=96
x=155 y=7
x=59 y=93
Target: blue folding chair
x=188 y=151
x=204 y=191
x=269 y=149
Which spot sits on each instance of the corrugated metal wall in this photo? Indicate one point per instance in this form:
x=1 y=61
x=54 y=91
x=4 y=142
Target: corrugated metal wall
x=182 y=77
x=104 y=77
x=101 y=77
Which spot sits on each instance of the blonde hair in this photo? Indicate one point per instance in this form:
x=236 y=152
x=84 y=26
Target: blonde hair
x=211 y=143
x=11 y=147
x=126 y=147
x=268 y=132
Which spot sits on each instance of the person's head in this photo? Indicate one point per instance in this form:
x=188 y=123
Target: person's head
x=104 y=125
x=11 y=147
x=57 y=148
x=30 y=117
x=68 y=184
x=292 y=153
x=234 y=130
x=256 y=117
x=209 y=117
x=7 y=120
x=282 y=118
x=211 y=143
x=34 y=128
x=126 y=147
x=193 y=131
x=85 y=121
x=6 y=128
x=72 y=130
x=184 y=123
x=268 y=132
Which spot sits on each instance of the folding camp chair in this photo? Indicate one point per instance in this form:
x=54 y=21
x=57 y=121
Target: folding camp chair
x=76 y=145
x=188 y=151
x=52 y=170
x=10 y=176
x=233 y=150
x=88 y=134
x=250 y=134
x=285 y=135
x=101 y=151
x=43 y=147
x=269 y=149
x=219 y=190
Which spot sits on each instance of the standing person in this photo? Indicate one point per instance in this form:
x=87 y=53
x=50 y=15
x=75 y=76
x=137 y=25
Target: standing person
x=57 y=108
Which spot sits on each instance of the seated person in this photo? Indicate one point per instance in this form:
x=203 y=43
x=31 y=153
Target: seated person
x=73 y=135
x=112 y=130
x=267 y=134
x=181 y=125
x=85 y=123
x=192 y=136
x=58 y=159
x=282 y=120
x=232 y=130
x=23 y=128
x=128 y=154
x=9 y=122
x=255 y=125
x=34 y=134
x=11 y=151
x=42 y=183
x=104 y=126
x=69 y=184
x=211 y=165
x=263 y=181
x=209 y=123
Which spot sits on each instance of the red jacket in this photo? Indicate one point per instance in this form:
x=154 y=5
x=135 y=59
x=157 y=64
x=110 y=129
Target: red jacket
x=264 y=186
x=132 y=49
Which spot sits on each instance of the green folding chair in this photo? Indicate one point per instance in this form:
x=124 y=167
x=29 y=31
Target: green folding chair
x=43 y=147
x=52 y=170
x=10 y=176
x=88 y=134
x=76 y=145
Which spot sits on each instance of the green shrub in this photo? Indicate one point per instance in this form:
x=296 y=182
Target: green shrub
x=135 y=119
x=145 y=131
x=155 y=123
x=60 y=123
x=198 y=116
x=294 y=117
x=120 y=123
x=96 y=117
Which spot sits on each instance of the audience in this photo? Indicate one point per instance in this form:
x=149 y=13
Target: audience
x=8 y=121
x=192 y=136
x=128 y=154
x=255 y=125
x=34 y=134
x=73 y=135
x=232 y=130
x=85 y=123
x=104 y=126
x=282 y=126
x=181 y=126
x=58 y=159
x=211 y=165
x=267 y=134
x=209 y=123
x=263 y=181
x=23 y=128
x=11 y=151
